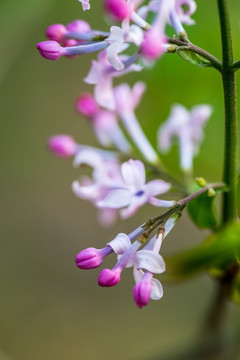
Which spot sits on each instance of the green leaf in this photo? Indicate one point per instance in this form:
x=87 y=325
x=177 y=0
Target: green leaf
x=193 y=58
x=218 y=251
x=203 y=212
x=238 y=195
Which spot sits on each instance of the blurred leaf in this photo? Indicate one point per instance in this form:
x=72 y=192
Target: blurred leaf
x=238 y=195
x=219 y=251
x=193 y=58
x=202 y=211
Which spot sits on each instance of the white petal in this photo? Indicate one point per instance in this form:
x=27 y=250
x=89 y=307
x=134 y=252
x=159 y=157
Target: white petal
x=135 y=35
x=200 y=114
x=120 y=244
x=103 y=93
x=133 y=173
x=85 y=4
x=151 y=261
x=138 y=274
x=157 y=290
x=156 y=187
x=137 y=92
x=116 y=199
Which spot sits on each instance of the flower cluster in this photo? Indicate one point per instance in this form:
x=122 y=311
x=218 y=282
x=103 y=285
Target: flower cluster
x=118 y=183
x=127 y=248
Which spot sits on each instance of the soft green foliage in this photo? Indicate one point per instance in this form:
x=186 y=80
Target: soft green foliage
x=238 y=195
x=217 y=251
x=203 y=212
x=193 y=58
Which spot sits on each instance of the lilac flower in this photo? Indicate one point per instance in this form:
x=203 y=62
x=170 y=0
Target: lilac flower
x=101 y=75
x=105 y=175
x=104 y=123
x=147 y=287
x=134 y=192
x=187 y=127
x=126 y=101
x=118 y=37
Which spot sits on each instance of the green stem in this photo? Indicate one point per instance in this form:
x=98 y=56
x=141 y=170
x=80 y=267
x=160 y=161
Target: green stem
x=229 y=88
x=196 y=49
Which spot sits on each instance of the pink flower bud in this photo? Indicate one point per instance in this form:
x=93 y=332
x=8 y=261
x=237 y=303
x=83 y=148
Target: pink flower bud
x=87 y=105
x=56 y=32
x=119 y=9
x=152 y=46
x=50 y=50
x=62 y=145
x=78 y=26
x=89 y=258
x=109 y=277
x=142 y=293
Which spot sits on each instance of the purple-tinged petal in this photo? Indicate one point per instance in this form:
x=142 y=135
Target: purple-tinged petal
x=156 y=187
x=133 y=173
x=120 y=244
x=151 y=261
x=157 y=290
x=135 y=204
x=160 y=203
x=116 y=199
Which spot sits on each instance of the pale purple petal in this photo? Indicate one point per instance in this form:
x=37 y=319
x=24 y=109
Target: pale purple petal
x=156 y=187
x=116 y=40
x=133 y=173
x=116 y=199
x=200 y=114
x=85 y=4
x=157 y=290
x=160 y=203
x=151 y=261
x=137 y=92
x=104 y=93
x=120 y=244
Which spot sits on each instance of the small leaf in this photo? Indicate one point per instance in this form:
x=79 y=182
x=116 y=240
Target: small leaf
x=217 y=252
x=203 y=212
x=238 y=195
x=193 y=58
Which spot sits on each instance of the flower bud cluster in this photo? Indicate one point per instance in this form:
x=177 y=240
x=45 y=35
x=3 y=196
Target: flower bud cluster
x=145 y=261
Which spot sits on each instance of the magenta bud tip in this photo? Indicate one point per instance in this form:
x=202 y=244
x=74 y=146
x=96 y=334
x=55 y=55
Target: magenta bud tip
x=89 y=258
x=50 y=50
x=152 y=46
x=62 y=145
x=78 y=26
x=109 y=277
x=142 y=293
x=119 y=9
x=56 y=32
x=87 y=105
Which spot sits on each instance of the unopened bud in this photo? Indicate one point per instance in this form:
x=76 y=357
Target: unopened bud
x=201 y=181
x=109 y=277
x=62 y=145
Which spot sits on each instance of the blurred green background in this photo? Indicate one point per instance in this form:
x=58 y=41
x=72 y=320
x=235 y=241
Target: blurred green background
x=49 y=308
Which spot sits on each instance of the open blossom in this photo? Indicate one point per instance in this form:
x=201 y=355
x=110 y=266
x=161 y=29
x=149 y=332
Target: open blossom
x=187 y=127
x=101 y=75
x=134 y=191
x=118 y=37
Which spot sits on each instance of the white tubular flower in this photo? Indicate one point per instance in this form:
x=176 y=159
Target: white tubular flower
x=187 y=127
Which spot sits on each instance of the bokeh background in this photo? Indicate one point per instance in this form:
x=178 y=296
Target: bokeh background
x=49 y=308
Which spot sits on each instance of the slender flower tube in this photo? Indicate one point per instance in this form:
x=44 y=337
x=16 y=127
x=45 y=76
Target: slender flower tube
x=126 y=101
x=51 y=50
